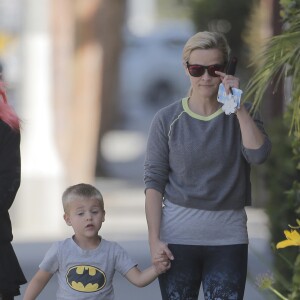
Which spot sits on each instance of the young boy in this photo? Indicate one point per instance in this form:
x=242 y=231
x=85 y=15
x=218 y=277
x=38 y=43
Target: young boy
x=86 y=263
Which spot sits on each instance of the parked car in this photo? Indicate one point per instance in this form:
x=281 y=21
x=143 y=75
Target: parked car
x=151 y=71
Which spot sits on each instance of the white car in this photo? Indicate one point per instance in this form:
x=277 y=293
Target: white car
x=151 y=70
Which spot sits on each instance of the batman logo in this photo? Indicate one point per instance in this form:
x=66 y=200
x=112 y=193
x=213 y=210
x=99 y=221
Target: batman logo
x=86 y=279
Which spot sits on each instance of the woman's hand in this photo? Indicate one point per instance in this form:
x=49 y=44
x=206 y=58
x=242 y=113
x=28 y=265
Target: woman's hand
x=160 y=253
x=161 y=263
x=229 y=81
x=161 y=256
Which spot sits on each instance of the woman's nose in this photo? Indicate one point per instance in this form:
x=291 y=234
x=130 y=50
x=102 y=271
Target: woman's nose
x=205 y=75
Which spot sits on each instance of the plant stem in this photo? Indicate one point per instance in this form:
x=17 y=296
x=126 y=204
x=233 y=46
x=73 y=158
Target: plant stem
x=277 y=293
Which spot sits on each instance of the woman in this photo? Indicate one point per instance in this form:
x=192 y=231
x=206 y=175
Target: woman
x=11 y=275
x=197 y=179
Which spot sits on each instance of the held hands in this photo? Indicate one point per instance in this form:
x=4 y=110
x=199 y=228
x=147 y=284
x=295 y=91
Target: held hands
x=161 y=263
x=161 y=256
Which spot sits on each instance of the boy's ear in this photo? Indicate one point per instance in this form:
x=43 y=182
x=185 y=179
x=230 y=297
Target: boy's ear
x=67 y=219
x=103 y=218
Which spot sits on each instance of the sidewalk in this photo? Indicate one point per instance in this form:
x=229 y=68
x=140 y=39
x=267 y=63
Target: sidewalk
x=126 y=224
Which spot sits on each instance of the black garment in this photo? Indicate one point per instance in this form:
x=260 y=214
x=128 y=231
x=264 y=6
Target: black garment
x=11 y=275
x=4 y=297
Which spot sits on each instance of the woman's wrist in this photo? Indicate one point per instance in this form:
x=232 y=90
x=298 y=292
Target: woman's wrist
x=240 y=110
x=153 y=237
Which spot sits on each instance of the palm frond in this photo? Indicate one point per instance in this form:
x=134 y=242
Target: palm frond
x=278 y=60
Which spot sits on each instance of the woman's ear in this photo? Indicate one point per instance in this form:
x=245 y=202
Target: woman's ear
x=67 y=219
x=186 y=72
x=185 y=68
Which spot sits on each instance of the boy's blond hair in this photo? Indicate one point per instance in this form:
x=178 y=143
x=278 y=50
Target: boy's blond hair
x=81 y=190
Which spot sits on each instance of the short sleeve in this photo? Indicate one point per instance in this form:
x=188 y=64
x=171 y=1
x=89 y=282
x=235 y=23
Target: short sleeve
x=50 y=261
x=123 y=262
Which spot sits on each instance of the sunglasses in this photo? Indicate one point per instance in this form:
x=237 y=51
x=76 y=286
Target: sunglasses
x=199 y=70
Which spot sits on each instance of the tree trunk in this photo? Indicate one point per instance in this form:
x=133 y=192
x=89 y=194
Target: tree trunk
x=87 y=42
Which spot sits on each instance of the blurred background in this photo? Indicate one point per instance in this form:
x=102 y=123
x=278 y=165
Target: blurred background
x=86 y=78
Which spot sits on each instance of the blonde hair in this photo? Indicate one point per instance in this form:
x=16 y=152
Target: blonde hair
x=205 y=40
x=81 y=190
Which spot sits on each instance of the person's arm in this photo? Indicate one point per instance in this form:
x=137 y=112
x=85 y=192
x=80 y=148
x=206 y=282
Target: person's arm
x=142 y=278
x=37 y=284
x=252 y=136
x=153 y=207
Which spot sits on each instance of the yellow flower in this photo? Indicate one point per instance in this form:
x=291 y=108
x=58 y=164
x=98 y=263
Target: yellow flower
x=293 y=239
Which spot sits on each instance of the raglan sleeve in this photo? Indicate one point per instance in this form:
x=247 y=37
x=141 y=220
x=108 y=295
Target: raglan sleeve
x=257 y=156
x=156 y=165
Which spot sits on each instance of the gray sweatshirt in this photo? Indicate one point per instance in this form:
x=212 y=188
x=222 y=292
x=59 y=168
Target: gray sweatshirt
x=200 y=162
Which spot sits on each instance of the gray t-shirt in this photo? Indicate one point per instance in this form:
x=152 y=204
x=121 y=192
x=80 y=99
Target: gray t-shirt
x=86 y=274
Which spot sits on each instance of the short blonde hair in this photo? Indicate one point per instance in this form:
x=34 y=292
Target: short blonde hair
x=206 y=40
x=81 y=190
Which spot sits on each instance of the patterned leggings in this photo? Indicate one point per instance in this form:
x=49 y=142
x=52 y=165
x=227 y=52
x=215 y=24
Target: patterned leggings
x=222 y=270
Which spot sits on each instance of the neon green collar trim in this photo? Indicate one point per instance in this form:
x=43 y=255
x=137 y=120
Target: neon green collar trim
x=196 y=116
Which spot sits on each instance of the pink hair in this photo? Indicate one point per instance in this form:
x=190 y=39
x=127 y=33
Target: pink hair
x=7 y=113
